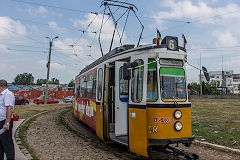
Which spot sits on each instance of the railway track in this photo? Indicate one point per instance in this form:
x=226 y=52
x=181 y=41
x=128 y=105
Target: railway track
x=83 y=130
x=59 y=135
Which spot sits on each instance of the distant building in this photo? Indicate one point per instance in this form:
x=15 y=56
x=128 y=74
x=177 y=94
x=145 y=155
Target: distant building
x=14 y=88
x=27 y=88
x=236 y=82
x=225 y=79
x=51 y=87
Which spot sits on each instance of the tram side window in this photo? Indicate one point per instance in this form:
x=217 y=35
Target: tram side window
x=78 y=87
x=83 y=88
x=89 y=86
x=75 y=88
x=100 y=80
x=123 y=87
x=152 y=87
x=94 y=85
x=137 y=82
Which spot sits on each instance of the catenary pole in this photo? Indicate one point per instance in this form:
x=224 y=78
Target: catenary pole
x=48 y=66
x=200 y=74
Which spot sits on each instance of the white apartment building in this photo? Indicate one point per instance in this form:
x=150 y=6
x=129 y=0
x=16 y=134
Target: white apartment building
x=225 y=78
x=236 y=82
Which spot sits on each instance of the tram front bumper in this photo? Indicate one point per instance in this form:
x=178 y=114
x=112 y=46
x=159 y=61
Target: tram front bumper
x=171 y=141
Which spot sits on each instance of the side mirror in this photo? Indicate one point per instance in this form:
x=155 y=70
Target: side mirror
x=126 y=71
x=206 y=74
x=134 y=64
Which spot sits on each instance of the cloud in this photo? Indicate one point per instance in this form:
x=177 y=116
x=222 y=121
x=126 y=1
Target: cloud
x=200 y=12
x=3 y=48
x=6 y=68
x=42 y=10
x=53 y=25
x=79 y=53
x=233 y=64
x=10 y=29
x=53 y=65
x=33 y=11
x=107 y=29
x=224 y=39
x=106 y=33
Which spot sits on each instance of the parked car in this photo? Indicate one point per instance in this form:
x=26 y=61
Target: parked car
x=19 y=100
x=68 y=99
x=40 y=100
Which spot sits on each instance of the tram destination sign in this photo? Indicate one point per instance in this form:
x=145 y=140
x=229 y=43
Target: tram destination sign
x=171 y=62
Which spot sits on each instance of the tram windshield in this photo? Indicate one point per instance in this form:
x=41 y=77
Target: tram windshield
x=173 y=84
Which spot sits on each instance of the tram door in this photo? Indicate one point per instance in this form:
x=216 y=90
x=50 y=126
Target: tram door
x=138 y=140
x=121 y=101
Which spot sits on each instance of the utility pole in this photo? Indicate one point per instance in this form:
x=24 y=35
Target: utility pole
x=48 y=66
x=200 y=74
x=223 y=78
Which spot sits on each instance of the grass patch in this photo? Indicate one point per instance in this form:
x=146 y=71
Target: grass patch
x=26 y=111
x=217 y=121
x=22 y=136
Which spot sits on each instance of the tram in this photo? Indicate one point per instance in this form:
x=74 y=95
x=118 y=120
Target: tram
x=137 y=96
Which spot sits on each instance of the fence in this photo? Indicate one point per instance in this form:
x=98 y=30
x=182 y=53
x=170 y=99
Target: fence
x=35 y=94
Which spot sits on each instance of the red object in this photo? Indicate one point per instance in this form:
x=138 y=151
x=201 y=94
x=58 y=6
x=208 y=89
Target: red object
x=15 y=117
x=19 y=100
x=41 y=101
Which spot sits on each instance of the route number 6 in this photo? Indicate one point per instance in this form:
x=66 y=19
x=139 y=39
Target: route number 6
x=171 y=44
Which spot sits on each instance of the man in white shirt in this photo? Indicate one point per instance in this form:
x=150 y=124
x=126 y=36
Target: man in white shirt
x=7 y=101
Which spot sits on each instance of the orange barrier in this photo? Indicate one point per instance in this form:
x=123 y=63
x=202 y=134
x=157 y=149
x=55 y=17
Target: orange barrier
x=36 y=94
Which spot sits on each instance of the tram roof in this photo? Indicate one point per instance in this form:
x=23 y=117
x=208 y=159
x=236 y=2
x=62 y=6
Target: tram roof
x=118 y=51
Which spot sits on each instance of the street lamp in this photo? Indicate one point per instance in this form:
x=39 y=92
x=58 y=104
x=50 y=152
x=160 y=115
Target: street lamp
x=48 y=66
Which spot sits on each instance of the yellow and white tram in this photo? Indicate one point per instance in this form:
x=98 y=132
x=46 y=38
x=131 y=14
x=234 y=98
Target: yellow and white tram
x=137 y=96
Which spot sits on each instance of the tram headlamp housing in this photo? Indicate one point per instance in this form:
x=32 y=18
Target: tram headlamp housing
x=178 y=126
x=177 y=114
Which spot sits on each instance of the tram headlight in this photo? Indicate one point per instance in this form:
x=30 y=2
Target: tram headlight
x=177 y=114
x=178 y=126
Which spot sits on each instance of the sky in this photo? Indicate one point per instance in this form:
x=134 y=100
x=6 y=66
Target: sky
x=211 y=28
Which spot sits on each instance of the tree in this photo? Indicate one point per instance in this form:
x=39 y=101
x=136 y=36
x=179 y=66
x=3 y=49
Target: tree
x=194 y=88
x=211 y=88
x=41 y=81
x=54 y=81
x=24 y=79
x=71 y=83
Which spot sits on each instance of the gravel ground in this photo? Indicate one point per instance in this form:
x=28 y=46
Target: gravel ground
x=51 y=139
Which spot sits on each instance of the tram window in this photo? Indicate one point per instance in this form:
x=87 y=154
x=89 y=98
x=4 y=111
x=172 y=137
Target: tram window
x=78 y=87
x=173 y=83
x=123 y=87
x=75 y=88
x=100 y=80
x=83 y=88
x=152 y=91
x=89 y=88
x=137 y=82
x=94 y=85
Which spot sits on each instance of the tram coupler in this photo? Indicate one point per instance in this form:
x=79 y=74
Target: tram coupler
x=187 y=155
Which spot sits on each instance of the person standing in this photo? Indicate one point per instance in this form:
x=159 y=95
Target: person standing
x=7 y=101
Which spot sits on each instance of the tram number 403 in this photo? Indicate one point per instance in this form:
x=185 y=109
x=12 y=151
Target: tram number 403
x=153 y=129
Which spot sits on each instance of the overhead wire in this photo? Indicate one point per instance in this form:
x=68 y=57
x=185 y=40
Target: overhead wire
x=23 y=35
x=20 y=45
x=82 y=11
x=76 y=10
x=52 y=6
x=96 y=14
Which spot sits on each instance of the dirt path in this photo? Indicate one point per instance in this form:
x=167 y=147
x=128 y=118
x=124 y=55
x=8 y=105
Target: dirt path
x=50 y=139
